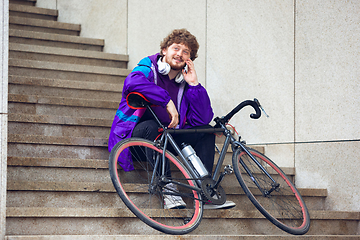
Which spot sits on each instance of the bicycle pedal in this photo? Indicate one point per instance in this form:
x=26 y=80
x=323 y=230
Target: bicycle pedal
x=228 y=169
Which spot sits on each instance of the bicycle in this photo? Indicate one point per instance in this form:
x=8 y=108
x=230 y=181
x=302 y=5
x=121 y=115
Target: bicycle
x=143 y=189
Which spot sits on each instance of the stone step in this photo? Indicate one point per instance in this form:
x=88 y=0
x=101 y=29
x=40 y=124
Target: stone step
x=40 y=25
x=64 y=55
x=58 y=176
x=183 y=237
x=21 y=173
x=60 y=110
x=73 y=110
x=59 y=92
x=20 y=145
x=70 y=85
x=57 y=162
x=121 y=221
x=38 y=188
x=76 y=102
x=58 y=130
x=53 y=192
x=59 y=120
x=66 y=71
x=47 y=149
x=55 y=40
x=47 y=164
x=83 y=184
x=79 y=108
x=24 y=2
x=65 y=199
x=41 y=87
x=57 y=140
x=17 y=161
x=61 y=186
x=21 y=10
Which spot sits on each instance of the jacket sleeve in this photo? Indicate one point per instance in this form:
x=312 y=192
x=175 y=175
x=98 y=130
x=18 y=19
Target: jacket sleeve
x=199 y=106
x=141 y=80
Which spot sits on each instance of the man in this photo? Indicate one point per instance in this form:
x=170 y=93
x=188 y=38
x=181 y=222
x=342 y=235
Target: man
x=169 y=81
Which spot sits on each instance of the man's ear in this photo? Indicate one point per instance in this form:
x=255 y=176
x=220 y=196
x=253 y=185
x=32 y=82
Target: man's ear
x=164 y=51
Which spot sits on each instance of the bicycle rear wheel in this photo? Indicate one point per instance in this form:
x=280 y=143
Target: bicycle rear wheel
x=145 y=198
x=282 y=204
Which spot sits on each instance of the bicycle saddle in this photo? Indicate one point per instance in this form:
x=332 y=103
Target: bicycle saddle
x=136 y=100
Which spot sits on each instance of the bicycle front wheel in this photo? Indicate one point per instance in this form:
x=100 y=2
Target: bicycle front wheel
x=143 y=189
x=280 y=202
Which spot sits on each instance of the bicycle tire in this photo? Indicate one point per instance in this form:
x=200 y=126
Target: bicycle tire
x=284 y=207
x=133 y=187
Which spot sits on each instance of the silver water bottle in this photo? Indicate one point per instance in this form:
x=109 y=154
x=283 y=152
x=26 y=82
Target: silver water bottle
x=191 y=156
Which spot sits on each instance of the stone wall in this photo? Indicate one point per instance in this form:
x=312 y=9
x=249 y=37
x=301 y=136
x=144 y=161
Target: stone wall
x=4 y=48
x=327 y=94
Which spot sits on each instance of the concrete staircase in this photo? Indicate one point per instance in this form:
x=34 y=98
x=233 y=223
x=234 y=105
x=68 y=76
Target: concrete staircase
x=63 y=94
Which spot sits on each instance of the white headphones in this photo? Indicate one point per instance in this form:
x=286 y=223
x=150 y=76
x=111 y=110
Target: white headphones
x=164 y=68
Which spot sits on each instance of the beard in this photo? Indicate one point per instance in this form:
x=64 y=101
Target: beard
x=175 y=66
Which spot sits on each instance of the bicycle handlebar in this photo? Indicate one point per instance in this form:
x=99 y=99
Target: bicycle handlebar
x=255 y=104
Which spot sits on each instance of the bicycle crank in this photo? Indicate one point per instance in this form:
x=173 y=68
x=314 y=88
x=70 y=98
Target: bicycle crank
x=216 y=195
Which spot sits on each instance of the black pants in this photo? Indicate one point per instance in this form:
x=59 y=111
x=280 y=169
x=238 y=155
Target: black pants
x=203 y=143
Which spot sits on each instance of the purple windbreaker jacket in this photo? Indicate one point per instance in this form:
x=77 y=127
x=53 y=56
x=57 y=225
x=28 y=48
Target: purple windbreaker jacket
x=195 y=107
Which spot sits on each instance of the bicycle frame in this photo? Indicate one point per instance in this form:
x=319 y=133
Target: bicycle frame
x=216 y=176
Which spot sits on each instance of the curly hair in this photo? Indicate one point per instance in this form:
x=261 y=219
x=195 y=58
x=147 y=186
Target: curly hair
x=182 y=36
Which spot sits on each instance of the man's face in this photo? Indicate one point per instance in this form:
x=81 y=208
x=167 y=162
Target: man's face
x=176 y=55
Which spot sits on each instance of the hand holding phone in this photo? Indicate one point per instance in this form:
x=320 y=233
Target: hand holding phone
x=189 y=73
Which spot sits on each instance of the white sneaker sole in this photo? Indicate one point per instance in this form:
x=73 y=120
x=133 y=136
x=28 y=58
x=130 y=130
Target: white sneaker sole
x=226 y=205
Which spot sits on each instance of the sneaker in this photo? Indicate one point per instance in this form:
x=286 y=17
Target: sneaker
x=226 y=205
x=171 y=201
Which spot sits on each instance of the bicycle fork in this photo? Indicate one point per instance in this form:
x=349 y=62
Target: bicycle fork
x=265 y=192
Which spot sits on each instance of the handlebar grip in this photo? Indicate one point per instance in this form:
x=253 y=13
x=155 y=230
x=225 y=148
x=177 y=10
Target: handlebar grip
x=256 y=115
